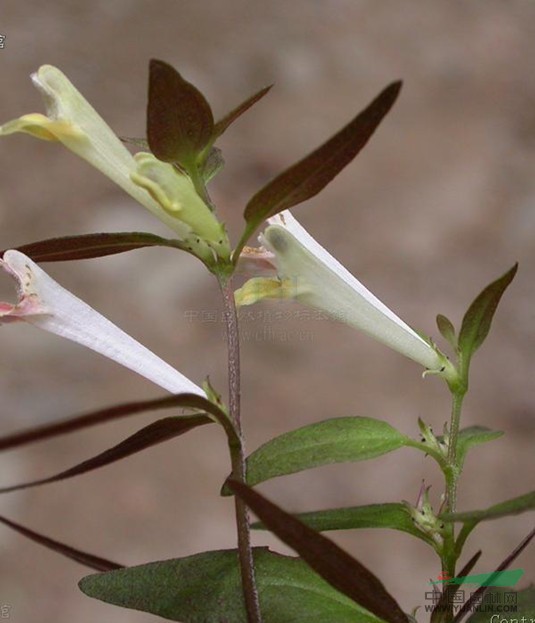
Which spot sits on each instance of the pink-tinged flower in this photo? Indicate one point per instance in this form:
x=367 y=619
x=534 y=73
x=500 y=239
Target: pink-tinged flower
x=47 y=305
x=309 y=274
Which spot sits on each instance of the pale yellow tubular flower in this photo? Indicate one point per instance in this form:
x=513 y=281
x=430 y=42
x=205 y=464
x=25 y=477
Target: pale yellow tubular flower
x=47 y=305
x=71 y=120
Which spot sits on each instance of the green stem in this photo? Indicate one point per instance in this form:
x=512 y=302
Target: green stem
x=237 y=455
x=452 y=471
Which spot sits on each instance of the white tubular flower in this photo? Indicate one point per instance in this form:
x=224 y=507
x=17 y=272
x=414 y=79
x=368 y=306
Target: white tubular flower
x=311 y=275
x=72 y=121
x=47 y=305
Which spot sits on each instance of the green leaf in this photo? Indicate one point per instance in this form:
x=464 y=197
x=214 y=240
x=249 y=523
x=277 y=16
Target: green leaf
x=335 y=565
x=391 y=515
x=499 y=597
x=222 y=125
x=142 y=143
x=473 y=436
x=213 y=164
x=151 y=435
x=447 y=330
x=477 y=320
x=89 y=560
x=332 y=441
x=206 y=588
x=309 y=176
x=88 y=246
x=514 y=506
x=180 y=123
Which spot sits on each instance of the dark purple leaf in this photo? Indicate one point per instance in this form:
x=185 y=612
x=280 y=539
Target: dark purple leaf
x=237 y=112
x=39 y=433
x=180 y=123
x=477 y=320
x=309 y=176
x=331 y=562
x=88 y=246
x=478 y=595
x=155 y=433
x=470 y=564
x=93 y=562
x=449 y=590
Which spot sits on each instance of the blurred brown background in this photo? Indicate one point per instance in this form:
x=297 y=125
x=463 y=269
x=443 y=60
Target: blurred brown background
x=440 y=203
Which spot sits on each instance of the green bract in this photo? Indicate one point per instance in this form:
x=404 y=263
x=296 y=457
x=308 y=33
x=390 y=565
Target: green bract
x=175 y=193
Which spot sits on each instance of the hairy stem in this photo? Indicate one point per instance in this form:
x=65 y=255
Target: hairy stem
x=237 y=453
x=450 y=552
x=456 y=406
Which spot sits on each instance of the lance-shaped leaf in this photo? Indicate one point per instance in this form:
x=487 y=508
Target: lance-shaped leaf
x=180 y=123
x=89 y=560
x=514 y=506
x=447 y=330
x=309 y=274
x=309 y=176
x=222 y=125
x=47 y=305
x=335 y=565
x=72 y=121
x=477 y=320
x=478 y=595
x=212 y=165
x=392 y=515
x=148 y=436
x=471 y=437
x=207 y=588
x=101 y=416
x=332 y=441
x=87 y=246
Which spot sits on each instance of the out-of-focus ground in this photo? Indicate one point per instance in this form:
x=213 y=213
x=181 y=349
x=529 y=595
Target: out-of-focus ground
x=441 y=202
